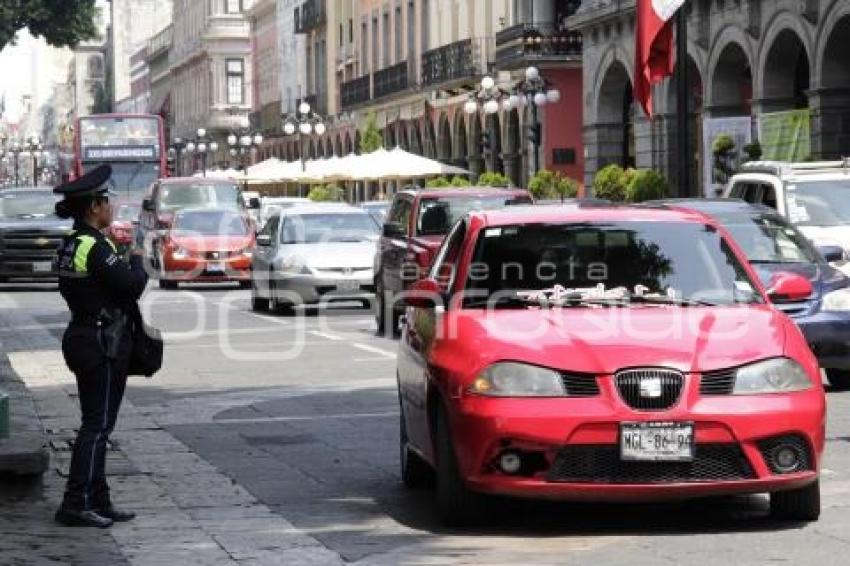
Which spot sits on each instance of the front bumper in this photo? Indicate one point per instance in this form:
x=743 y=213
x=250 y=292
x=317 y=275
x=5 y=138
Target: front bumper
x=309 y=288
x=828 y=335
x=548 y=430
x=35 y=268
x=199 y=270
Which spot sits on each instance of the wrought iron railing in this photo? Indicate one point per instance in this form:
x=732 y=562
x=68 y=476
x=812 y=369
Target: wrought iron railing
x=391 y=79
x=356 y=91
x=459 y=60
x=526 y=42
x=310 y=15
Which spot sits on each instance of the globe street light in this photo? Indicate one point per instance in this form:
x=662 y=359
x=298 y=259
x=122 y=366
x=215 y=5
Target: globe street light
x=538 y=91
x=488 y=98
x=306 y=122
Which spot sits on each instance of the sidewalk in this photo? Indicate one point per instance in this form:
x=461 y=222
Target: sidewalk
x=189 y=513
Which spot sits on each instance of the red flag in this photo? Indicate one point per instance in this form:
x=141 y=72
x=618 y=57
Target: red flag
x=653 y=47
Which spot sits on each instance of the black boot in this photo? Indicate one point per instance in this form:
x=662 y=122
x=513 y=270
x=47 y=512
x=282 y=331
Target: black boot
x=117 y=515
x=76 y=518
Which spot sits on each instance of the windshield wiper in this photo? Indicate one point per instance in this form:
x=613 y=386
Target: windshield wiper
x=655 y=300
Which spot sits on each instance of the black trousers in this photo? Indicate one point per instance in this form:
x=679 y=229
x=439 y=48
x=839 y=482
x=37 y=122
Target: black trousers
x=100 y=383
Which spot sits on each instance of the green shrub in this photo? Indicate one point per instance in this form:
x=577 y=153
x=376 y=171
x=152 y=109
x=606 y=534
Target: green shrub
x=458 y=181
x=647 y=184
x=437 y=183
x=723 y=145
x=753 y=151
x=493 y=179
x=552 y=185
x=326 y=193
x=611 y=183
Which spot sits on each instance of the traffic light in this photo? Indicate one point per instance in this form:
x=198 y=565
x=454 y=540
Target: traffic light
x=171 y=165
x=486 y=145
x=534 y=134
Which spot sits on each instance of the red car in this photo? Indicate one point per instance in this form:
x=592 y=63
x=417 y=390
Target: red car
x=605 y=353
x=207 y=245
x=122 y=231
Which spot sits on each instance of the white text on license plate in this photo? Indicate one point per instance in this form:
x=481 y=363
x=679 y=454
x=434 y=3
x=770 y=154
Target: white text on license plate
x=215 y=267
x=348 y=285
x=657 y=442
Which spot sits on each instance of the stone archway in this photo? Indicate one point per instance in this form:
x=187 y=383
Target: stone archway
x=473 y=140
x=356 y=147
x=785 y=76
x=615 y=118
x=666 y=153
x=403 y=137
x=338 y=148
x=329 y=147
x=732 y=83
x=830 y=102
x=494 y=133
x=347 y=146
x=390 y=139
x=460 y=143
x=513 y=146
x=415 y=139
x=444 y=140
x=429 y=140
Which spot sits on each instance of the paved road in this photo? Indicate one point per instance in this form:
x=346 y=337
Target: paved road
x=302 y=412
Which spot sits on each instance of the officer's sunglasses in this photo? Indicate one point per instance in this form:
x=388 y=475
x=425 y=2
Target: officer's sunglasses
x=101 y=199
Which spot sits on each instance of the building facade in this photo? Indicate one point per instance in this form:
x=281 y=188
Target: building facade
x=747 y=59
x=211 y=70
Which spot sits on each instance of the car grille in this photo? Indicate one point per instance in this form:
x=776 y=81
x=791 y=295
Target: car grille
x=635 y=387
x=601 y=464
x=580 y=385
x=720 y=382
x=30 y=245
x=214 y=256
x=769 y=446
x=342 y=270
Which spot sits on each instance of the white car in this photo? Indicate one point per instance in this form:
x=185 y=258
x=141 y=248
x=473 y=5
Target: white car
x=269 y=205
x=815 y=197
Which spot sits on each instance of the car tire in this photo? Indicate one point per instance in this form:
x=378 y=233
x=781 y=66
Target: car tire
x=415 y=472
x=801 y=504
x=167 y=284
x=277 y=306
x=380 y=307
x=258 y=304
x=245 y=285
x=839 y=378
x=366 y=303
x=457 y=506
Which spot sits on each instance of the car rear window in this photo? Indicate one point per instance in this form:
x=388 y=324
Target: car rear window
x=438 y=215
x=684 y=260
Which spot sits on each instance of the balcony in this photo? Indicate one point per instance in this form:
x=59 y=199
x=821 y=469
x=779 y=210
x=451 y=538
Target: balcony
x=524 y=44
x=461 y=60
x=310 y=15
x=356 y=91
x=391 y=79
x=161 y=42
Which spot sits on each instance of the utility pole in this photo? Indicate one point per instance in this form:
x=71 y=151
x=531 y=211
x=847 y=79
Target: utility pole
x=683 y=118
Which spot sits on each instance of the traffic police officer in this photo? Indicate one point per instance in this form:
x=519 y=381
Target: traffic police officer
x=100 y=289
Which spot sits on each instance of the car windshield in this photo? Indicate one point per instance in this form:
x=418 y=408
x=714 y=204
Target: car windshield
x=200 y=194
x=127 y=212
x=768 y=239
x=131 y=180
x=27 y=204
x=680 y=262
x=438 y=215
x=211 y=223
x=328 y=227
x=819 y=203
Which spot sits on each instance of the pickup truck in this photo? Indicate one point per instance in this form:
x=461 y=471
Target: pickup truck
x=415 y=227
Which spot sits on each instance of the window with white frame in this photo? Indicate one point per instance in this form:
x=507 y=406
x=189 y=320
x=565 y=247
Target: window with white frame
x=235 y=81
x=232 y=6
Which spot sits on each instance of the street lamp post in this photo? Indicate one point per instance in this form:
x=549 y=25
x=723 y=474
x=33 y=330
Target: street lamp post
x=536 y=91
x=488 y=97
x=176 y=151
x=304 y=123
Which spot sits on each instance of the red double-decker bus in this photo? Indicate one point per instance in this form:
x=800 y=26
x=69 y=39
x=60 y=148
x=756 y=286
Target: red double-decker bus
x=133 y=144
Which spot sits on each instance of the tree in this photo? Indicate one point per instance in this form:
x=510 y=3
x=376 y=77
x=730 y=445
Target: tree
x=723 y=150
x=647 y=184
x=61 y=24
x=548 y=184
x=325 y=193
x=492 y=179
x=370 y=137
x=611 y=182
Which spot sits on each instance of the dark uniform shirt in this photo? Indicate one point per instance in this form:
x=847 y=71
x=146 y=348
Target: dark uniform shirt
x=92 y=276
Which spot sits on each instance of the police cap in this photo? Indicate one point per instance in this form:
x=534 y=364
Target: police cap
x=93 y=183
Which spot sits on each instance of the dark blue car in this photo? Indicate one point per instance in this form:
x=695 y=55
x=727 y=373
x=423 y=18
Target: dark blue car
x=772 y=244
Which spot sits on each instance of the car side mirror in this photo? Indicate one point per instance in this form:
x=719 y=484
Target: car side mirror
x=147 y=205
x=789 y=288
x=831 y=253
x=254 y=203
x=424 y=294
x=264 y=240
x=393 y=230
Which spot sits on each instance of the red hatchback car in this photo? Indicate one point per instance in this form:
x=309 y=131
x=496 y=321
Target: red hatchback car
x=605 y=353
x=207 y=245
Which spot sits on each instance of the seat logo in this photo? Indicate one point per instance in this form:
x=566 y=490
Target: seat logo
x=650 y=388
x=348 y=271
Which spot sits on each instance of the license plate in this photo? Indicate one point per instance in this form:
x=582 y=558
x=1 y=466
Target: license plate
x=42 y=267
x=657 y=442
x=215 y=267
x=352 y=285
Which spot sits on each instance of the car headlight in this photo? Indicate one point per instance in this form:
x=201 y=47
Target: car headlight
x=778 y=375
x=179 y=253
x=294 y=265
x=836 y=301
x=512 y=379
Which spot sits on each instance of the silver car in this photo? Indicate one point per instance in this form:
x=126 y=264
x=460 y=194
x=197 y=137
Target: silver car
x=314 y=254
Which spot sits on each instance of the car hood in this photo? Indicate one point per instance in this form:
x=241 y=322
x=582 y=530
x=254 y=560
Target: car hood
x=333 y=254
x=43 y=223
x=603 y=341
x=828 y=235
x=213 y=243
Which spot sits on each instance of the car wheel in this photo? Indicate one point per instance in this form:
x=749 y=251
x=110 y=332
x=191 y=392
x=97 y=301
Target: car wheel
x=456 y=504
x=167 y=284
x=380 y=307
x=245 y=285
x=415 y=472
x=839 y=378
x=797 y=504
x=367 y=304
x=258 y=304
x=277 y=306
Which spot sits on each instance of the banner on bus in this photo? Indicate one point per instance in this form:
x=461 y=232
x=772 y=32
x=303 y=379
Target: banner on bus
x=126 y=152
